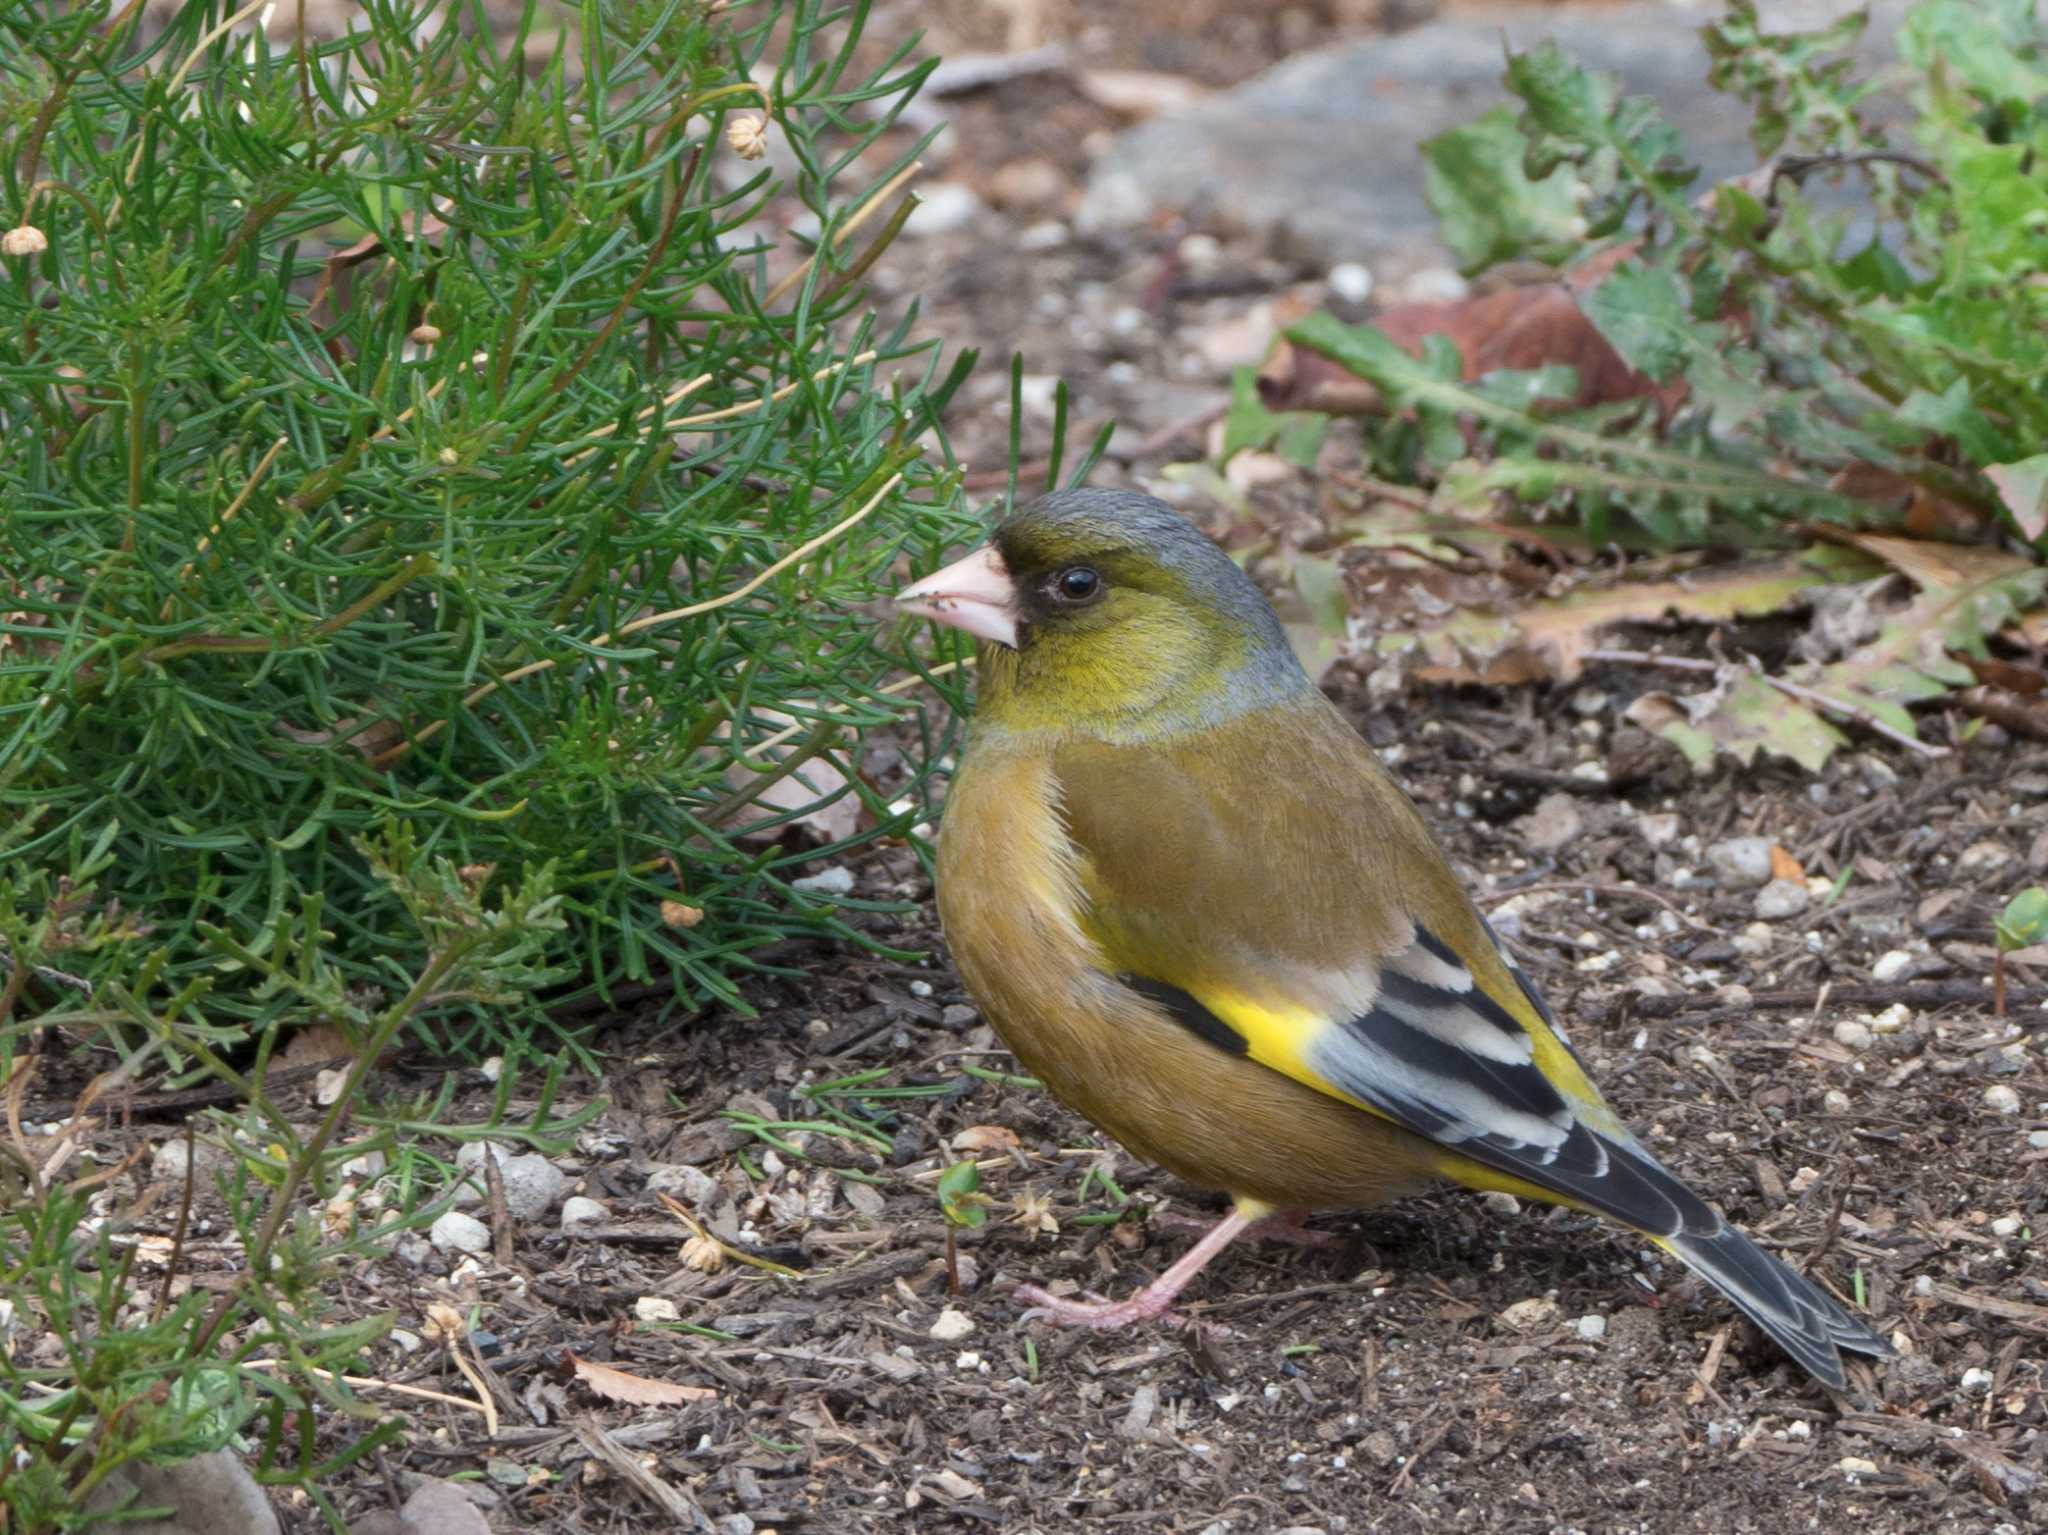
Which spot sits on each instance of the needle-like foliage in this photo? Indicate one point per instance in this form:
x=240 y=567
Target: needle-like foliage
x=440 y=430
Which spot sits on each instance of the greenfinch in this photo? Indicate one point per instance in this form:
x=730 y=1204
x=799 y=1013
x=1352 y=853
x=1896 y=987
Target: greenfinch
x=1191 y=901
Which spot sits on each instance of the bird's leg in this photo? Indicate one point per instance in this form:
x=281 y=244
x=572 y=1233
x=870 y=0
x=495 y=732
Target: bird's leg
x=1150 y=1302
x=1287 y=1227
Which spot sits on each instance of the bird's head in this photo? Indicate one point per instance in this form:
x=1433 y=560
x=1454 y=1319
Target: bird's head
x=1106 y=612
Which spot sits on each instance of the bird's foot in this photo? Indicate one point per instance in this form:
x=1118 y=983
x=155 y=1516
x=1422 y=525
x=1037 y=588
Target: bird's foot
x=1151 y=1304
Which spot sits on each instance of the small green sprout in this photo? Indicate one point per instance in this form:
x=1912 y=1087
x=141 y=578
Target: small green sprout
x=962 y=1203
x=2022 y=924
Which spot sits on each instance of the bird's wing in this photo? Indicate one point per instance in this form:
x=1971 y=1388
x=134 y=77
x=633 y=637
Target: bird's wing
x=1424 y=1042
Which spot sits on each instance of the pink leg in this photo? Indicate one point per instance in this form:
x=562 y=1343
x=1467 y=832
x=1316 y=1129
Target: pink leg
x=1287 y=1228
x=1148 y=1303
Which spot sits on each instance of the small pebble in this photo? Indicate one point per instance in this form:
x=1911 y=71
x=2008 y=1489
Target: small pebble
x=943 y=207
x=2001 y=1099
x=532 y=1185
x=1437 y=285
x=1592 y=1328
x=1923 y=1286
x=1741 y=863
x=837 y=880
x=1835 y=1101
x=1976 y=1381
x=2038 y=1140
x=1856 y=1465
x=1529 y=1315
x=1782 y=898
x=1500 y=1203
x=1891 y=965
x=1200 y=252
x=952 y=1325
x=579 y=1211
x=1350 y=283
x=1852 y=1035
x=656 y=1308
x=1753 y=941
x=694 y=1186
x=1659 y=830
x=2005 y=1226
x=455 y=1232
x=1047 y=235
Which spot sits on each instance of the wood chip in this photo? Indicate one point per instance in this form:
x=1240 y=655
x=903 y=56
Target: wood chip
x=2033 y=1318
x=671 y=1501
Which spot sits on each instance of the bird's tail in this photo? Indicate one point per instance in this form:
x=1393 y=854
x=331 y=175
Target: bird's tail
x=1800 y=1317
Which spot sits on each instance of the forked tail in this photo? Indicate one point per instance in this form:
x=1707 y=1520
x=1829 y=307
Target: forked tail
x=1802 y=1318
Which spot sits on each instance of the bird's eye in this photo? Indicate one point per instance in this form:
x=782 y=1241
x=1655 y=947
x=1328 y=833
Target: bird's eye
x=1077 y=583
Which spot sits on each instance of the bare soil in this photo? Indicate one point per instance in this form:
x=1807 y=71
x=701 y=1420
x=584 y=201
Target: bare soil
x=1383 y=1383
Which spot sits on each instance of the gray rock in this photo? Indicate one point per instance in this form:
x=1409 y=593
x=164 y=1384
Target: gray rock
x=434 y=1508
x=533 y=1185
x=578 y=1211
x=1741 y=863
x=942 y=207
x=1319 y=151
x=1554 y=822
x=211 y=1494
x=456 y=1232
x=694 y=1186
x=1782 y=898
x=167 y=1165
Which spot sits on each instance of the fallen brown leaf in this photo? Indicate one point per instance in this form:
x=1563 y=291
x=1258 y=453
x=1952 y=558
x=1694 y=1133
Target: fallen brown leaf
x=985 y=1138
x=1784 y=865
x=1549 y=639
x=2010 y=675
x=1530 y=326
x=320 y=1045
x=634 y=1390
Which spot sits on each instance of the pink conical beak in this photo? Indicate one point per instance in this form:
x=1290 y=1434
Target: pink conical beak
x=975 y=595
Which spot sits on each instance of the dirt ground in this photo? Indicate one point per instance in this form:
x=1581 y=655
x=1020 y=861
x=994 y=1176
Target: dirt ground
x=1400 y=1380
x=1450 y=1363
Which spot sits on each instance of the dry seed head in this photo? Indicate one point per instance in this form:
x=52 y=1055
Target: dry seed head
x=27 y=240
x=747 y=133
x=703 y=1254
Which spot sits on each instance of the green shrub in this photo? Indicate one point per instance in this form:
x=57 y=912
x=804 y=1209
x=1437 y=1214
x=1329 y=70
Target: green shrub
x=398 y=433
x=439 y=498
x=1900 y=324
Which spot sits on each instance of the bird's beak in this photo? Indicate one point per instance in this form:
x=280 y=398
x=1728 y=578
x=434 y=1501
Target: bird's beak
x=975 y=595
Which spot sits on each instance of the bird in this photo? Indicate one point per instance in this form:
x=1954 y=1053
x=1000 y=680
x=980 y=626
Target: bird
x=1191 y=901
